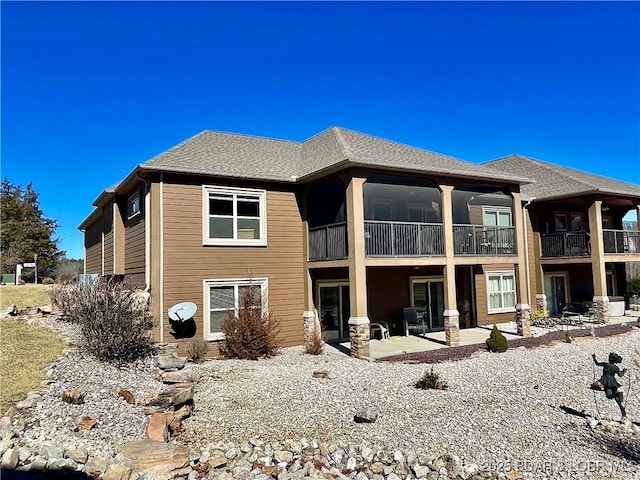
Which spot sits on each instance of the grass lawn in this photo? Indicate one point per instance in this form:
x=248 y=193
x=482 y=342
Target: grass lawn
x=25 y=351
x=24 y=295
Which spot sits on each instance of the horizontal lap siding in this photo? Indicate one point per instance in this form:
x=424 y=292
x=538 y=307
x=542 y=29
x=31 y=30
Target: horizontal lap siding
x=484 y=318
x=93 y=248
x=134 y=248
x=108 y=253
x=187 y=262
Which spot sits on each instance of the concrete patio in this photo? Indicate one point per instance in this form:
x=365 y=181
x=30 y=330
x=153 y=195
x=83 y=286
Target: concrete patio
x=400 y=345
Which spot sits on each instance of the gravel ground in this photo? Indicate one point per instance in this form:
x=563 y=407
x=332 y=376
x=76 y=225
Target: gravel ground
x=523 y=408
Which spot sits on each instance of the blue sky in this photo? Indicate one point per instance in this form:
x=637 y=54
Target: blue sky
x=89 y=90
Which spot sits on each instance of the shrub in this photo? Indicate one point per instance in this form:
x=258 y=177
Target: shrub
x=535 y=314
x=567 y=337
x=114 y=327
x=48 y=281
x=197 y=349
x=252 y=333
x=430 y=379
x=314 y=344
x=633 y=286
x=497 y=341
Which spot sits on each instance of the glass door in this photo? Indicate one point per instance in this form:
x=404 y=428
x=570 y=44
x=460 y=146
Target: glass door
x=334 y=309
x=555 y=288
x=428 y=301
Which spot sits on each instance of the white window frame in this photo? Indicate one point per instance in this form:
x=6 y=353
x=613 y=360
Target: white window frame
x=261 y=195
x=501 y=274
x=130 y=202
x=263 y=283
x=497 y=210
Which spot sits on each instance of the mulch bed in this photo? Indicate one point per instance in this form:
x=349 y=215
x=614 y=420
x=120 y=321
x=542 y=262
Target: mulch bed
x=465 y=351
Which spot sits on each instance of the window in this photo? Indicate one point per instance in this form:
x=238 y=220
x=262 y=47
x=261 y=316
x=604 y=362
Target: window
x=576 y=222
x=133 y=205
x=234 y=216
x=501 y=292
x=224 y=295
x=496 y=216
x=560 y=222
x=382 y=211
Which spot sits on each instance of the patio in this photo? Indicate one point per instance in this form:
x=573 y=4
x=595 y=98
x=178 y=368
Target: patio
x=399 y=345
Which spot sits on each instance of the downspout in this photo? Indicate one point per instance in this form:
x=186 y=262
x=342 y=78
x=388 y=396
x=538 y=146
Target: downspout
x=147 y=231
x=526 y=245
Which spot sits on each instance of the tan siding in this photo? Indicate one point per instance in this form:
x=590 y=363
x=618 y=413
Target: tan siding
x=108 y=253
x=533 y=262
x=187 y=262
x=134 y=247
x=475 y=215
x=481 y=297
x=93 y=247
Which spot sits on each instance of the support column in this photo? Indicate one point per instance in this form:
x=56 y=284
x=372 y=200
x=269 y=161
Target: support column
x=541 y=297
x=541 y=302
x=451 y=314
x=358 y=320
x=310 y=320
x=523 y=309
x=600 y=298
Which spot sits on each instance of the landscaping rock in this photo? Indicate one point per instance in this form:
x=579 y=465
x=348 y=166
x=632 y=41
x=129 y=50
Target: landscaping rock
x=127 y=395
x=178 y=376
x=158 y=428
x=77 y=453
x=10 y=311
x=366 y=415
x=117 y=472
x=86 y=421
x=174 y=395
x=73 y=397
x=26 y=403
x=157 y=458
x=170 y=362
x=10 y=459
x=96 y=466
x=320 y=374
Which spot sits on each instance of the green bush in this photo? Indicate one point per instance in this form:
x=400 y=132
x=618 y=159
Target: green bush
x=253 y=333
x=497 y=341
x=430 y=379
x=48 y=281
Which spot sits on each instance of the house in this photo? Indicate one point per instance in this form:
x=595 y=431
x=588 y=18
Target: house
x=574 y=224
x=343 y=228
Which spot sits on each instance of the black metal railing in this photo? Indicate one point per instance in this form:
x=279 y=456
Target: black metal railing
x=403 y=239
x=565 y=244
x=328 y=242
x=484 y=240
x=621 y=241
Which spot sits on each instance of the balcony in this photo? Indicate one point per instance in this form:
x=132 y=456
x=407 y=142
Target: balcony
x=403 y=239
x=565 y=244
x=328 y=242
x=621 y=241
x=484 y=240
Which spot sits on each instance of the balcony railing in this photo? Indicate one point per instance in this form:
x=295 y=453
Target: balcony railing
x=328 y=242
x=565 y=244
x=484 y=240
x=403 y=239
x=621 y=241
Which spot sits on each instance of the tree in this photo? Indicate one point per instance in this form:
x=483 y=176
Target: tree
x=25 y=231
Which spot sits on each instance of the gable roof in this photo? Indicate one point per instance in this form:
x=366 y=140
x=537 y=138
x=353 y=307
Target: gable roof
x=555 y=181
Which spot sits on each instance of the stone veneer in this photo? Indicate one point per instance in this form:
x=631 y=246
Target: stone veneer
x=310 y=324
x=541 y=302
x=452 y=327
x=359 y=336
x=601 y=307
x=523 y=319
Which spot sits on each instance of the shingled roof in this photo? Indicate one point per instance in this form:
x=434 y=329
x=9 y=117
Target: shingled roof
x=554 y=181
x=244 y=156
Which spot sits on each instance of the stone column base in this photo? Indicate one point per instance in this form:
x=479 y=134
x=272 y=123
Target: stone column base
x=311 y=325
x=359 y=336
x=541 y=302
x=601 y=307
x=452 y=327
x=523 y=319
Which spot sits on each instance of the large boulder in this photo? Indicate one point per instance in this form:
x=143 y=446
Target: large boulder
x=175 y=395
x=162 y=460
x=170 y=362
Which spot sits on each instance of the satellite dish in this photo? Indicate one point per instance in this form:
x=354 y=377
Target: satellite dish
x=182 y=311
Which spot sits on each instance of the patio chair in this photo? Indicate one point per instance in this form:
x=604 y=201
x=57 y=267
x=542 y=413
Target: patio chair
x=380 y=326
x=412 y=321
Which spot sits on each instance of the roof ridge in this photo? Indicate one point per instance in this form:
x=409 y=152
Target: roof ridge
x=561 y=170
x=346 y=149
x=261 y=137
